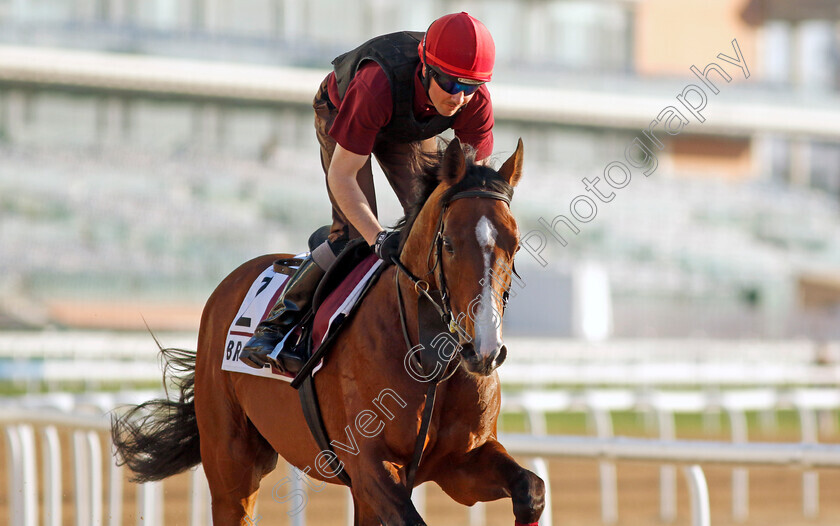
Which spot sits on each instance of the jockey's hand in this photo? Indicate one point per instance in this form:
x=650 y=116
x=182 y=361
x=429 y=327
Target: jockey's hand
x=387 y=245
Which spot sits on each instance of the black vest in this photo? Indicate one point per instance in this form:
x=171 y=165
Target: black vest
x=396 y=54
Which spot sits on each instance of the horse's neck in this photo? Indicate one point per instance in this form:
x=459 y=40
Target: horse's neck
x=466 y=397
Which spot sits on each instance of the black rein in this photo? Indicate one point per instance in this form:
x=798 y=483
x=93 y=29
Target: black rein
x=421 y=287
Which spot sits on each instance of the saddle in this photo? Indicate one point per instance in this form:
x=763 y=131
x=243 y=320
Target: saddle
x=347 y=260
x=338 y=294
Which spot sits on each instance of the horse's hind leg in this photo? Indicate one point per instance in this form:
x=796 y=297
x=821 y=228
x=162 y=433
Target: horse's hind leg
x=235 y=457
x=489 y=473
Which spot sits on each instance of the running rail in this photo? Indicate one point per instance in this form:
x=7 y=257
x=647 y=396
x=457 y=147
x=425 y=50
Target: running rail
x=795 y=455
x=102 y=356
x=20 y=442
x=687 y=453
x=18 y=428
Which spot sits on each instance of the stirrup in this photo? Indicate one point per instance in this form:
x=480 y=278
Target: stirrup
x=256 y=357
x=284 y=356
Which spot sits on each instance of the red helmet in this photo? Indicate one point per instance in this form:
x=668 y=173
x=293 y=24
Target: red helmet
x=460 y=46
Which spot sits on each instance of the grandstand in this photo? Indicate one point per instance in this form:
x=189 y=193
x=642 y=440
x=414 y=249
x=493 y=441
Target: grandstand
x=155 y=170
x=147 y=148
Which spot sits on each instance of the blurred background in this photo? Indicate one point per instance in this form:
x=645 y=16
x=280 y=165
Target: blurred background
x=133 y=187
x=148 y=147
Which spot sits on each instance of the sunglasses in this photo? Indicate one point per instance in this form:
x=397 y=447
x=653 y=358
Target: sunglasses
x=453 y=85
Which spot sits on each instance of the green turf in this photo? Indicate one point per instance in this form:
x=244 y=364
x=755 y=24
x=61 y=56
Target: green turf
x=631 y=423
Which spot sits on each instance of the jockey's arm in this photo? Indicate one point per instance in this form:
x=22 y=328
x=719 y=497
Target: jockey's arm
x=345 y=189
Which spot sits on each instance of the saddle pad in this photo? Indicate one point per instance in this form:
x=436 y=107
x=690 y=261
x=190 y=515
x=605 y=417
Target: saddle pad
x=255 y=307
x=341 y=301
x=263 y=295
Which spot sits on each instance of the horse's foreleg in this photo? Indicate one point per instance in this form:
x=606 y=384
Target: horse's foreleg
x=363 y=514
x=489 y=473
x=379 y=495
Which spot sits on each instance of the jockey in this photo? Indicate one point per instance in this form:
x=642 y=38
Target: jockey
x=389 y=97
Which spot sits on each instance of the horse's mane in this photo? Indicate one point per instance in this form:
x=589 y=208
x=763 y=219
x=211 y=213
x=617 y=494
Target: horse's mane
x=426 y=181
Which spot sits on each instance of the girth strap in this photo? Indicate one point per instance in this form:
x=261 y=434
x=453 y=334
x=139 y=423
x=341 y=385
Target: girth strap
x=432 y=319
x=312 y=413
x=429 y=326
x=420 y=444
x=305 y=384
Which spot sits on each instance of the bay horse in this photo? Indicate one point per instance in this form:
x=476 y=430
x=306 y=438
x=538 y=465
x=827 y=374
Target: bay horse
x=236 y=424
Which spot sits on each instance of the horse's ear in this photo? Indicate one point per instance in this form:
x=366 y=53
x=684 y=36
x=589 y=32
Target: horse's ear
x=511 y=171
x=454 y=164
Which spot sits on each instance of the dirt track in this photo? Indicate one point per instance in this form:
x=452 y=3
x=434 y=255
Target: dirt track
x=775 y=498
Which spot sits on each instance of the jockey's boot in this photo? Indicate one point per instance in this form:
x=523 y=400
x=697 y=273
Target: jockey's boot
x=289 y=309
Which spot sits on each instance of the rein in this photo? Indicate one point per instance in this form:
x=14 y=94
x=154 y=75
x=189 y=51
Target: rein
x=447 y=321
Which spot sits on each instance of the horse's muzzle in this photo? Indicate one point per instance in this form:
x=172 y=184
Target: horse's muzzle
x=483 y=365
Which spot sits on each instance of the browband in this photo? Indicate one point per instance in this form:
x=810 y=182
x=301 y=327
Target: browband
x=486 y=194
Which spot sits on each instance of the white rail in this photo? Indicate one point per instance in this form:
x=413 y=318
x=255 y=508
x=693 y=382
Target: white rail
x=83 y=356
x=795 y=455
x=89 y=345
x=20 y=438
x=101 y=356
x=526 y=350
x=794 y=364
x=688 y=453
x=599 y=404
x=671 y=362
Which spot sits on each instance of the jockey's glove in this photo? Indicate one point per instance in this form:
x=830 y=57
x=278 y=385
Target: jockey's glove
x=387 y=245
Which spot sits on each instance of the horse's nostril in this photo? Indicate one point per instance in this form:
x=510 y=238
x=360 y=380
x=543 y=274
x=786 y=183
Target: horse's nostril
x=468 y=352
x=502 y=355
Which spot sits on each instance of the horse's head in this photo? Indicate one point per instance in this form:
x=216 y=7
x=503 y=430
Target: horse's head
x=462 y=242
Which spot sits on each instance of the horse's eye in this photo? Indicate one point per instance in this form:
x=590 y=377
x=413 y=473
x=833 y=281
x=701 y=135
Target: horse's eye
x=447 y=245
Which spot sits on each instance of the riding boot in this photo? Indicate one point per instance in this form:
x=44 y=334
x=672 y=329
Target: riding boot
x=289 y=309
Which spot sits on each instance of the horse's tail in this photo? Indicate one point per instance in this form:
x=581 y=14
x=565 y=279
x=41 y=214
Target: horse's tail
x=159 y=438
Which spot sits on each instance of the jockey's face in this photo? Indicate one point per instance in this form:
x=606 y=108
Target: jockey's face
x=445 y=103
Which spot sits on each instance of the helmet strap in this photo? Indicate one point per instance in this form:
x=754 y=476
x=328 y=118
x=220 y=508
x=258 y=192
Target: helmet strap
x=426 y=78
x=426 y=75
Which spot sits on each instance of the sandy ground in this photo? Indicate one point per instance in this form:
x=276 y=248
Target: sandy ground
x=775 y=497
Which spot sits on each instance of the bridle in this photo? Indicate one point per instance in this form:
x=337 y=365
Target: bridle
x=421 y=286
x=443 y=309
